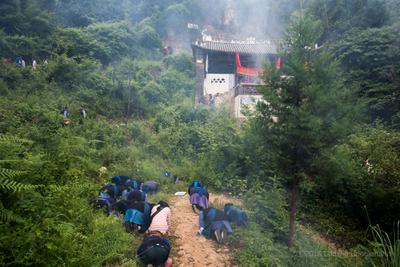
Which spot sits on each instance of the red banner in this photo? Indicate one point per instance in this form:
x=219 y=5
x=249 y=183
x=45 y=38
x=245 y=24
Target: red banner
x=246 y=71
x=278 y=63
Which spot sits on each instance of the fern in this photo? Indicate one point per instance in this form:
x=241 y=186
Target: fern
x=7 y=173
x=13 y=139
x=7 y=184
x=13 y=186
x=8 y=216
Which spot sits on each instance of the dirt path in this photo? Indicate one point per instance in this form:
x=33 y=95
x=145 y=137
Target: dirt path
x=191 y=249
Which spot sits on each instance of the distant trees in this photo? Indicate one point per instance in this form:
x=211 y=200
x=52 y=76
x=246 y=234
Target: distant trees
x=25 y=18
x=341 y=16
x=371 y=58
x=74 y=13
x=364 y=36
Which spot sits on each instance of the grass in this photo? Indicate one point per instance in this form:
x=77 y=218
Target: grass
x=386 y=250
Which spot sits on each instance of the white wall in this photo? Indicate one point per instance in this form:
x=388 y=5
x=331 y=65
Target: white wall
x=218 y=83
x=245 y=100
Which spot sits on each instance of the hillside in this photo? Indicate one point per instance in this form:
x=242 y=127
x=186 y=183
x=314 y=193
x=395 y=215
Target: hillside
x=330 y=163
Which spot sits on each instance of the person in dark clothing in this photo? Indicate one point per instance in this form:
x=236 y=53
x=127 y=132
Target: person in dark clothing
x=127 y=186
x=18 y=61
x=120 y=206
x=150 y=187
x=136 y=195
x=120 y=180
x=140 y=206
x=112 y=190
x=235 y=215
x=133 y=184
x=214 y=223
x=82 y=113
x=105 y=202
x=198 y=196
x=175 y=179
x=137 y=216
x=65 y=112
x=154 y=250
x=195 y=187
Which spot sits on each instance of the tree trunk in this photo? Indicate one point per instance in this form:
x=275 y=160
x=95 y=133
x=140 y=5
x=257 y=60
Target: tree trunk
x=293 y=210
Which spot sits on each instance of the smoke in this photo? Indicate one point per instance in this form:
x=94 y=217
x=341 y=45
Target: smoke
x=173 y=23
x=241 y=19
x=224 y=19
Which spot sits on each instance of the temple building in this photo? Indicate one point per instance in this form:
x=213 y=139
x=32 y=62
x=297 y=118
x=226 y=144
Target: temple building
x=227 y=72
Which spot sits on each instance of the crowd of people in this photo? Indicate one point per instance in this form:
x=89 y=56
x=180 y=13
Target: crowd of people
x=20 y=62
x=214 y=223
x=126 y=197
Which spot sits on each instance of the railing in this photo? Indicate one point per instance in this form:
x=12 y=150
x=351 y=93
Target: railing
x=246 y=89
x=217 y=40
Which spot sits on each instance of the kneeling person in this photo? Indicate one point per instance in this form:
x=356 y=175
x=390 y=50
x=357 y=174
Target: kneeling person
x=198 y=196
x=160 y=218
x=137 y=217
x=214 y=223
x=236 y=215
x=154 y=250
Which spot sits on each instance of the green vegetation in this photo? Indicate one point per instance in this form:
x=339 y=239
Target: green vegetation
x=388 y=247
x=335 y=147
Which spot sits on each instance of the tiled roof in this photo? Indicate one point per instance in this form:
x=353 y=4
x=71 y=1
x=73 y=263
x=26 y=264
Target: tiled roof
x=237 y=46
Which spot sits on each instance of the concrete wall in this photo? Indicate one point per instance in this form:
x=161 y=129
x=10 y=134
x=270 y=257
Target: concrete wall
x=218 y=83
x=199 y=82
x=245 y=100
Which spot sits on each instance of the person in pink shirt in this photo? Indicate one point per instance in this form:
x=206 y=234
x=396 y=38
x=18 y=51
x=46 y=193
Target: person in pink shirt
x=160 y=218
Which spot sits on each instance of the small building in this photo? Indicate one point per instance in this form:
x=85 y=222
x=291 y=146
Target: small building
x=228 y=71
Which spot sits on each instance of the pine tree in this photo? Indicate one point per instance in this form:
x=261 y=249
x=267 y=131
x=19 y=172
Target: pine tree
x=314 y=108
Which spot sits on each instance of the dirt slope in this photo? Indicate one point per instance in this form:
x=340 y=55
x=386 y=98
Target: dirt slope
x=191 y=249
